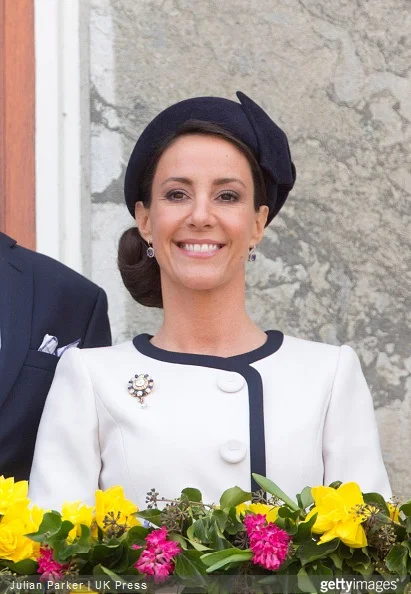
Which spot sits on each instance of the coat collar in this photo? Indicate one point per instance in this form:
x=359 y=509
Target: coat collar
x=16 y=305
x=236 y=363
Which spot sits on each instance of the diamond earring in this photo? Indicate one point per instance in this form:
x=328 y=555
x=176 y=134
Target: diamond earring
x=150 y=251
x=252 y=256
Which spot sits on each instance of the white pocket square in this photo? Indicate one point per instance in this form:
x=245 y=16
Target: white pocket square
x=50 y=345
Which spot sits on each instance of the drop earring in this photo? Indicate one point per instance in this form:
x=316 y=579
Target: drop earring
x=150 y=251
x=252 y=256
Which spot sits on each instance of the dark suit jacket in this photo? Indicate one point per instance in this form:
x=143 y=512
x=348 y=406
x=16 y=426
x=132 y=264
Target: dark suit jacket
x=38 y=296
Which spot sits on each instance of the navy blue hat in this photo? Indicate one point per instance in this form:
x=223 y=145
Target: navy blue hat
x=246 y=120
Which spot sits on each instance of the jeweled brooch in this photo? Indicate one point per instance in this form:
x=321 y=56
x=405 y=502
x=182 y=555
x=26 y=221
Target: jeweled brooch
x=140 y=386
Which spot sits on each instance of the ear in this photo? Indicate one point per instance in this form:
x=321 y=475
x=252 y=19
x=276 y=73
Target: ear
x=259 y=224
x=142 y=215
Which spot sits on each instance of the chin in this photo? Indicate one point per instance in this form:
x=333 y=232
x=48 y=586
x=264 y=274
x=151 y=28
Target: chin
x=201 y=283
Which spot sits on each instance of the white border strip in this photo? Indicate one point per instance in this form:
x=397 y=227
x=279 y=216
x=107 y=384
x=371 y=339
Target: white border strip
x=62 y=130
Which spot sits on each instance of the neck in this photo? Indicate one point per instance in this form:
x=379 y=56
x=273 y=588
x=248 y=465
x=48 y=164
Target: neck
x=211 y=322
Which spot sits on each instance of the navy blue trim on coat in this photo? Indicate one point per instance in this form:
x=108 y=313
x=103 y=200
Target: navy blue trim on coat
x=240 y=364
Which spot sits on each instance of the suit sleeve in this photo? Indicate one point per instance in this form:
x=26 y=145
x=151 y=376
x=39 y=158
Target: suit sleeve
x=67 y=462
x=98 y=332
x=351 y=445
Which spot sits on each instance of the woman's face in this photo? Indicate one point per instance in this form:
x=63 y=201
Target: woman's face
x=202 y=221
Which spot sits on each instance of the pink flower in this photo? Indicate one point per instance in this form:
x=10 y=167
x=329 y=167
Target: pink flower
x=157 y=537
x=157 y=558
x=269 y=543
x=253 y=522
x=48 y=567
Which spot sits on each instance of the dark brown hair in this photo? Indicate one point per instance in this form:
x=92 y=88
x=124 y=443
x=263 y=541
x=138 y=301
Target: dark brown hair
x=141 y=274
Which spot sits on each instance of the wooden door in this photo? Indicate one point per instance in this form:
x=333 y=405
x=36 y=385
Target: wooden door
x=17 y=121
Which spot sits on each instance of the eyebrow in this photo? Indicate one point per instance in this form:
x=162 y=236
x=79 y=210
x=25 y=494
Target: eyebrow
x=217 y=182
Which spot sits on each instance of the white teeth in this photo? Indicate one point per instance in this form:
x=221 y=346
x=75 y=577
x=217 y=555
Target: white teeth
x=197 y=247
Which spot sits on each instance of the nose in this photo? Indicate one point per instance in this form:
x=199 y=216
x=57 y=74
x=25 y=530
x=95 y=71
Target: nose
x=201 y=212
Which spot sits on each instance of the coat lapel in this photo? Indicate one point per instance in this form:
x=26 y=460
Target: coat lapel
x=16 y=304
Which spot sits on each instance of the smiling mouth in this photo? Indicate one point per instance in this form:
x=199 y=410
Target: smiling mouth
x=200 y=248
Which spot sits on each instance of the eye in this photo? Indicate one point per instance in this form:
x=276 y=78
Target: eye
x=228 y=197
x=175 y=195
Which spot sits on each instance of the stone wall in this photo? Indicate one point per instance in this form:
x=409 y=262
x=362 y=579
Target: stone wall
x=334 y=266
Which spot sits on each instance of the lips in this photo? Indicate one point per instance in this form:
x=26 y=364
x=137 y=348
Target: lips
x=200 y=247
x=203 y=249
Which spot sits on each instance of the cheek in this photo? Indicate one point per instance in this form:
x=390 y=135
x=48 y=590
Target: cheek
x=164 y=225
x=241 y=229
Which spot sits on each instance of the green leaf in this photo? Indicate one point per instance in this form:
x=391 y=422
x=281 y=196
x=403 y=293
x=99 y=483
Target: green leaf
x=178 y=538
x=101 y=570
x=238 y=558
x=396 y=560
x=61 y=533
x=25 y=567
x=206 y=531
x=192 y=494
x=306 y=498
x=335 y=484
x=217 y=560
x=213 y=587
x=408 y=525
x=338 y=562
x=189 y=564
x=406 y=508
x=190 y=532
x=221 y=518
x=151 y=515
x=361 y=562
x=104 y=553
x=137 y=535
x=378 y=500
x=198 y=546
x=290 y=526
x=210 y=558
x=311 y=551
x=344 y=551
x=233 y=524
x=407 y=544
x=234 y=496
x=304 y=530
x=273 y=489
x=50 y=525
x=304 y=582
x=195 y=541
x=286 y=512
x=321 y=569
x=200 y=530
x=120 y=563
x=63 y=550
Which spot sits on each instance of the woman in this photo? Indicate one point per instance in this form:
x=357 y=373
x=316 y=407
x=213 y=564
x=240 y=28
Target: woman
x=211 y=398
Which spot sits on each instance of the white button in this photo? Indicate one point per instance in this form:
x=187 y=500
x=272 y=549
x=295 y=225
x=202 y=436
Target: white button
x=233 y=451
x=230 y=381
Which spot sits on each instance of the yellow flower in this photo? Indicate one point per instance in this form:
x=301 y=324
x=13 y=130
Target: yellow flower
x=11 y=492
x=77 y=514
x=270 y=512
x=16 y=522
x=338 y=514
x=114 y=512
x=394 y=512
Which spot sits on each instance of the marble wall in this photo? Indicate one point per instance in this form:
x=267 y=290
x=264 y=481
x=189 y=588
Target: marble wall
x=334 y=266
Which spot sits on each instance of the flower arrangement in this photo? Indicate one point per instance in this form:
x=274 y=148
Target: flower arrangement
x=265 y=538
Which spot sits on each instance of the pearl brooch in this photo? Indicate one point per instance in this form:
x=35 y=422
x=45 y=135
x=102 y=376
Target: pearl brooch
x=140 y=386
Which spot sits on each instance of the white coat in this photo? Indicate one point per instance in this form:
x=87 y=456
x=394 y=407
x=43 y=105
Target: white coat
x=205 y=421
